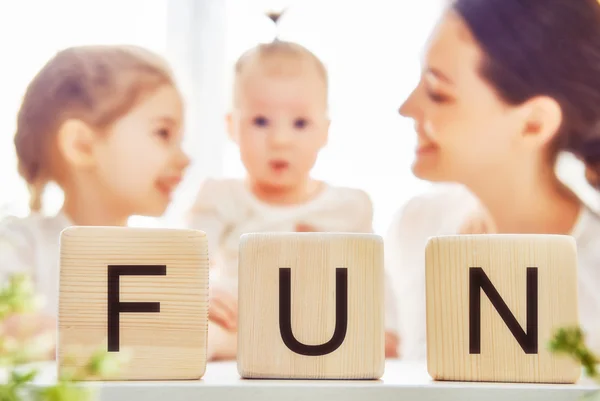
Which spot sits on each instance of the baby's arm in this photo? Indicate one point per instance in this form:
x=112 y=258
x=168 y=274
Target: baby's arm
x=206 y=216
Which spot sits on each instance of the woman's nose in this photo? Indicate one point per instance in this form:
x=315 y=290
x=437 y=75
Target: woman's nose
x=408 y=108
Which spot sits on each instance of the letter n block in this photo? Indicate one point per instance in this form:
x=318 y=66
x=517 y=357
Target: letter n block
x=140 y=291
x=494 y=303
x=311 y=306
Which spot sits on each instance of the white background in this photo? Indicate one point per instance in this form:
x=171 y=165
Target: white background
x=371 y=48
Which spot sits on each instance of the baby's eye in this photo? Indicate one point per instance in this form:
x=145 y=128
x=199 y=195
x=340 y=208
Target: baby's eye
x=164 y=133
x=260 y=121
x=300 y=123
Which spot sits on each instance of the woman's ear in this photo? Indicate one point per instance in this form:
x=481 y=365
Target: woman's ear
x=232 y=130
x=542 y=121
x=76 y=141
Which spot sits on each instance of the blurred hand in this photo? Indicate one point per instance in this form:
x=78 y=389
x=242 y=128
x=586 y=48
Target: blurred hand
x=305 y=228
x=392 y=343
x=222 y=309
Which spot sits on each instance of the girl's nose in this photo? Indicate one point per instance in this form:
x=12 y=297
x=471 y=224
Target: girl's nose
x=183 y=160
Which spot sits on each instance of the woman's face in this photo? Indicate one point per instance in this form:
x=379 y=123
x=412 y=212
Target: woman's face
x=465 y=131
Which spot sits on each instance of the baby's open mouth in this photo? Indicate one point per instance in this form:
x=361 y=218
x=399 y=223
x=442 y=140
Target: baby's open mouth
x=279 y=165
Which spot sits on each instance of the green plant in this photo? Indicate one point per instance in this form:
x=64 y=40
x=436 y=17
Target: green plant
x=570 y=341
x=17 y=297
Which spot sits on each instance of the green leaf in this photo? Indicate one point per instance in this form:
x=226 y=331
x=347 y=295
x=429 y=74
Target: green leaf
x=65 y=392
x=22 y=378
x=570 y=341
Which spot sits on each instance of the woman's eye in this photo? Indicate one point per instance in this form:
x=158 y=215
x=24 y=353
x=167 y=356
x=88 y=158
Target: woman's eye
x=438 y=97
x=260 y=121
x=300 y=123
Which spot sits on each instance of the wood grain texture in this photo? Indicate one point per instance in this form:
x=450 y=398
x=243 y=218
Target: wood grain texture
x=504 y=259
x=170 y=344
x=313 y=259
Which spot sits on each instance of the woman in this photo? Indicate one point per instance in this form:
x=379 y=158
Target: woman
x=506 y=86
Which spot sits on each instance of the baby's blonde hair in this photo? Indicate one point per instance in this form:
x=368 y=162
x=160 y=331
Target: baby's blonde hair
x=278 y=51
x=94 y=84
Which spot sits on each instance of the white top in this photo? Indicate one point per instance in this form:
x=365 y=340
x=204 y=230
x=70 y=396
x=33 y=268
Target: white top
x=226 y=209
x=442 y=212
x=401 y=381
x=31 y=245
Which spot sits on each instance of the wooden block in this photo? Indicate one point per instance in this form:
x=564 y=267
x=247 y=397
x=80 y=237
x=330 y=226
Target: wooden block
x=311 y=305
x=493 y=304
x=141 y=291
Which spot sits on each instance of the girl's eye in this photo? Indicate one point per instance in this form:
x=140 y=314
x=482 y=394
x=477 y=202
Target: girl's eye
x=260 y=121
x=300 y=123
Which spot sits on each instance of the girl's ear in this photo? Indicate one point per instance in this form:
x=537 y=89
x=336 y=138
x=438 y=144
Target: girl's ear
x=231 y=128
x=76 y=142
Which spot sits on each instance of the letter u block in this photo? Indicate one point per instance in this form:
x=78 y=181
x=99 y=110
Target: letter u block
x=133 y=290
x=494 y=303
x=311 y=306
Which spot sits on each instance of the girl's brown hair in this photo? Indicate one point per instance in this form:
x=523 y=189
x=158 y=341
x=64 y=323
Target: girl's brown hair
x=94 y=84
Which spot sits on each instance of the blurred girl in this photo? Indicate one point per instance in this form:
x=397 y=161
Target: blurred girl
x=104 y=123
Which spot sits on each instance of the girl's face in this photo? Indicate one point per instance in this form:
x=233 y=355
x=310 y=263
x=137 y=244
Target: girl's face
x=280 y=125
x=140 y=162
x=465 y=131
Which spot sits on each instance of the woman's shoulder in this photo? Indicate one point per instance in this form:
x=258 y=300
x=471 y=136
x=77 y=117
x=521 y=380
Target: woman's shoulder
x=436 y=205
x=587 y=232
x=439 y=210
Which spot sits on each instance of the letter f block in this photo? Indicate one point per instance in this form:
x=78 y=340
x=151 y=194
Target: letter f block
x=143 y=292
x=494 y=303
x=311 y=306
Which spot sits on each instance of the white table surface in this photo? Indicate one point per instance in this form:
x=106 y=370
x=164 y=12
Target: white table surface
x=402 y=381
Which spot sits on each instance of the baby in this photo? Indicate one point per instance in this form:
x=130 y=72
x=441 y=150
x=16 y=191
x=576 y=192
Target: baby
x=279 y=120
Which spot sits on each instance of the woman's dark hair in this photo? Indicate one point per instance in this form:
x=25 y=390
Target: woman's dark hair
x=549 y=48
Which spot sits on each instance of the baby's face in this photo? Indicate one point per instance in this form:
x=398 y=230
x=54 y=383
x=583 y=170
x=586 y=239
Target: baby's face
x=140 y=161
x=280 y=124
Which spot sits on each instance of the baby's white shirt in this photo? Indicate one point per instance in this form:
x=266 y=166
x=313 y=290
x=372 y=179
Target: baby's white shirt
x=225 y=209
x=31 y=245
x=442 y=212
